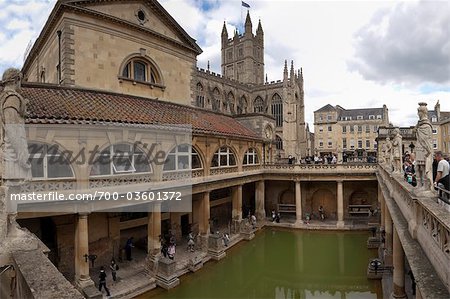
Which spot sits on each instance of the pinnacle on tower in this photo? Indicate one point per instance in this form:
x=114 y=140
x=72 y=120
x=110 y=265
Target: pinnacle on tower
x=224 y=30
x=285 y=72
x=259 y=30
x=248 y=24
x=292 y=70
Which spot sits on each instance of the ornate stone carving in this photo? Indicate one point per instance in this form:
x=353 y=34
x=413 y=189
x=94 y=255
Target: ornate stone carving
x=424 y=148
x=397 y=151
x=14 y=166
x=388 y=153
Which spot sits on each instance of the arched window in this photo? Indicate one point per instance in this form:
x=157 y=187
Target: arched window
x=142 y=70
x=277 y=110
x=49 y=162
x=182 y=157
x=216 y=100
x=278 y=143
x=121 y=158
x=223 y=157
x=258 y=105
x=200 y=100
x=251 y=157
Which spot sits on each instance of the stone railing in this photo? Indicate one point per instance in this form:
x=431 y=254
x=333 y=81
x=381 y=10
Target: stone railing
x=363 y=167
x=49 y=185
x=110 y=181
x=251 y=167
x=444 y=198
x=425 y=219
x=223 y=170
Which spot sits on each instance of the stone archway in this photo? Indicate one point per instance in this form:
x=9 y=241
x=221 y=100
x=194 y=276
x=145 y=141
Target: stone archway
x=326 y=199
x=359 y=197
x=287 y=197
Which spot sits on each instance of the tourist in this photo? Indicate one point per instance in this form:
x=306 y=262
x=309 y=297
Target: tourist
x=226 y=239
x=164 y=247
x=191 y=242
x=102 y=281
x=321 y=213
x=274 y=216
x=277 y=218
x=307 y=218
x=333 y=160
x=128 y=247
x=253 y=221
x=171 y=251
x=442 y=176
x=114 y=267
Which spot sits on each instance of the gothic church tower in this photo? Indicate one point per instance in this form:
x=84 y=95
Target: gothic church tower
x=243 y=55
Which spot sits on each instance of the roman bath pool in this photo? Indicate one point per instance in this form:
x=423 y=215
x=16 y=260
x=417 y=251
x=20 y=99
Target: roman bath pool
x=285 y=264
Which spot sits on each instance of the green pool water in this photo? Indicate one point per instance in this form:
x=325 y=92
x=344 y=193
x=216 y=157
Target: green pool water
x=285 y=264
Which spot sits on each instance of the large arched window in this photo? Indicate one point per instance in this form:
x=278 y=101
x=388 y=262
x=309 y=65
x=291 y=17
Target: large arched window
x=223 y=157
x=121 y=158
x=277 y=110
x=200 y=100
x=49 y=161
x=278 y=143
x=251 y=157
x=142 y=70
x=182 y=157
x=258 y=105
x=216 y=100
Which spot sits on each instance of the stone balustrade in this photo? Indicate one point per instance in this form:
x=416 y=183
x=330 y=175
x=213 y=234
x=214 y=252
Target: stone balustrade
x=426 y=223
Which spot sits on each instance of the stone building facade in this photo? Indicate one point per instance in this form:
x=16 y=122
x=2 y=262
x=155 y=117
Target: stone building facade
x=350 y=132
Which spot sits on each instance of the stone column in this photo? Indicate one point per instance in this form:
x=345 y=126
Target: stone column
x=205 y=214
x=382 y=207
x=259 y=200
x=399 y=268
x=82 y=277
x=154 y=230
x=298 y=201
x=236 y=198
x=340 y=204
x=388 y=238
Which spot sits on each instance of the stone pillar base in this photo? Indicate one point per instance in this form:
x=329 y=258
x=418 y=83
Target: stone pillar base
x=340 y=224
x=152 y=263
x=87 y=287
x=247 y=232
x=215 y=247
x=236 y=226
x=167 y=277
x=195 y=263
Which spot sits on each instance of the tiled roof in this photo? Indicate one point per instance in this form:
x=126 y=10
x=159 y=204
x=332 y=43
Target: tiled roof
x=54 y=104
x=327 y=107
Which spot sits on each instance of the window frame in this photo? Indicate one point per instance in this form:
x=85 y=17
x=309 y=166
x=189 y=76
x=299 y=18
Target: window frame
x=190 y=153
x=251 y=153
x=227 y=152
x=44 y=155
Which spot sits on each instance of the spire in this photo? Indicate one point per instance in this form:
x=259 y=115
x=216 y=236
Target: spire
x=208 y=66
x=259 y=30
x=266 y=79
x=285 y=72
x=292 y=70
x=224 y=30
x=248 y=24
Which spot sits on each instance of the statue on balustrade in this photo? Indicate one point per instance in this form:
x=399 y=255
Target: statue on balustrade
x=15 y=168
x=388 y=153
x=424 y=149
x=397 y=151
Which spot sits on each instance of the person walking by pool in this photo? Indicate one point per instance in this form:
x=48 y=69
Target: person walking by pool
x=226 y=239
x=277 y=218
x=191 y=242
x=274 y=216
x=128 y=247
x=114 y=267
x=102 y=281
x=171 y=251
x=253 y=221
x=164 y=247
x=321 y=213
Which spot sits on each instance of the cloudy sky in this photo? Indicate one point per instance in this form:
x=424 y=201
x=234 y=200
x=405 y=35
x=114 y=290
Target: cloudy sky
x=356 y=53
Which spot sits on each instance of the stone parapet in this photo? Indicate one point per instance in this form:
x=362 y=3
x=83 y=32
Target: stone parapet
x=166 y=276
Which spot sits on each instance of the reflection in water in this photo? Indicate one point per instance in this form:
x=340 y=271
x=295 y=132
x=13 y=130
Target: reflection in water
x=284 y=264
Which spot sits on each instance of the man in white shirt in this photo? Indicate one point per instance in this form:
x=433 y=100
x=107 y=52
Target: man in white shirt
x=442 y=176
